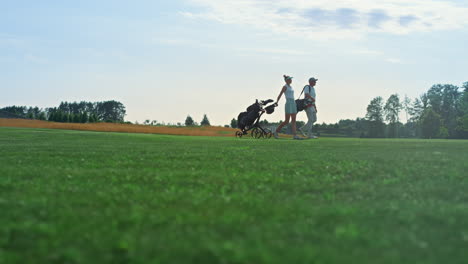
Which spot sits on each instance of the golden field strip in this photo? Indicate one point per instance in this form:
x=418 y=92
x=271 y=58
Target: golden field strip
x=127 y=128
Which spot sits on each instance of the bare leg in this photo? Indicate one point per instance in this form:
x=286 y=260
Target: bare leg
x=285 y=122
x=293 y=124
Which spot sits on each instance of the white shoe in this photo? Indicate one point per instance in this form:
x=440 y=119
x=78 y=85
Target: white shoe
x=275 y=134
x=302 y=132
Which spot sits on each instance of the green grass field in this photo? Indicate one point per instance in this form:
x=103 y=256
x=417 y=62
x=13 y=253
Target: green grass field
x=90 y=197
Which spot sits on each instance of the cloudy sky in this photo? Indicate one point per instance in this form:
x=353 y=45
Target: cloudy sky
x=167 y=59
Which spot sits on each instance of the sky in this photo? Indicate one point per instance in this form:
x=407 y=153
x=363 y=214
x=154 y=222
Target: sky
x=165 y=60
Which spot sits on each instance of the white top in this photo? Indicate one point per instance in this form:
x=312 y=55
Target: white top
x=310 y=91
x=289 y=93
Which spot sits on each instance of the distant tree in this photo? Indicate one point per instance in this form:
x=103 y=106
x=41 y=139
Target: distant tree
x=406 y=104
x=42 y=116
x=50 y=115
x=375 y=117
x=392 y=110
x=430 y=123
x=205 y=121
x=189 y=121
x=16 y=111
x=347 y=126
x=91 y=119
x=84 y=117
x=95 y=118
x=442 y=98
x=76 y=118
x=58 y=116
x=66 y=117
x=147 y=122
x=110 y=111
x=375 y=110
x=30 y=115
x=450 y=112
x=418 y=107
x=462 y=126
x=234 y=123
x=64 y=107
x=462 y=119
x=32 y=112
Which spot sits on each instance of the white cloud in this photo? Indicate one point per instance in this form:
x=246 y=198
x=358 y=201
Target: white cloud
x=323 y=19
x=181 y=42
x=195 y=43
x=367 y=52
x=275 y=51
x=394 y=61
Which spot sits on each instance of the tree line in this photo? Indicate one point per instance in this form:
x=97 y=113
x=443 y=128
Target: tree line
x=70 y=112
x=189 y=121
x=441 y=112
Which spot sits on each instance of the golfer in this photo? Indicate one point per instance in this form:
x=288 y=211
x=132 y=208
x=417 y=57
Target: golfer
x=290 y=107
x=311 y=109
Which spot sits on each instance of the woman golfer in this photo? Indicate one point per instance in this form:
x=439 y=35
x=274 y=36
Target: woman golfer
x=290 y=107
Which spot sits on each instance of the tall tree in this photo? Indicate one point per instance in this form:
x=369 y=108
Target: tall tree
x=375 y=117
x=417 y=108
x=392 y=110
x=430 y=123
x=205 y=121
x=443 y=99
x=462 y=119
x=375 y=110
x=406 y=106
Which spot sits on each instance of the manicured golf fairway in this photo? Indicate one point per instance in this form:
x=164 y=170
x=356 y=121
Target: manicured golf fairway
x=92 y=197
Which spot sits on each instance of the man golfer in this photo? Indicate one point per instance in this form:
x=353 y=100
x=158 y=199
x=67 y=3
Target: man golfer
x=311 y=109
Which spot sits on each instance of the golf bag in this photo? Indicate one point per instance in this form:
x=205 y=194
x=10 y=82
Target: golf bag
x=246 y=120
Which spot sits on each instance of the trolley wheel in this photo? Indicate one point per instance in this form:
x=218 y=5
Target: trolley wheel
x=239 y=134
x=268 y=135
x=254 y=132
x=259 y=134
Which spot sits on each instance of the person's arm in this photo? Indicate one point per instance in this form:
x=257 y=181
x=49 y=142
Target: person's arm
x=281 y=93
x=310 y=97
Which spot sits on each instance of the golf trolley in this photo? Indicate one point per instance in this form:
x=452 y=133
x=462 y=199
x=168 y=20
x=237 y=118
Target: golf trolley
x=249 y=121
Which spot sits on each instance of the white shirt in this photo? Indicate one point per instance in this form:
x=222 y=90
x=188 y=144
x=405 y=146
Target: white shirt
x=289 y=93
x=310 y=91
